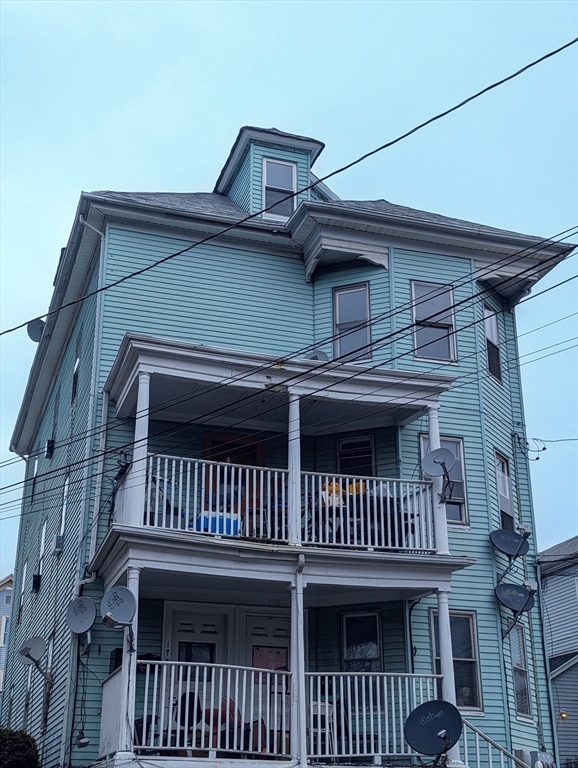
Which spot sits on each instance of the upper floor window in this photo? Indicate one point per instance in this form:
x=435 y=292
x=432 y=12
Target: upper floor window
x=434 y=321
x=22 y=588
x=520 y=668
x=355 y=456
x=279 y=180
x=41 y=548
x=4 y=629
x=466 y=665
x=456 y=510
x=8 y=598
x=504 y=492
x=361 y=642
x=351 y=322
x=64 y=506
x=492 y=342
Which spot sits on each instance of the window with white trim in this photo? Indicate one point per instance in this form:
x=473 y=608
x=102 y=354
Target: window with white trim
x=351 y=322
x=361 y=643
x=465 y=654
x=4 y=629
x=22 y=588
x=279 y=180
x=64 y=505
x=492 y=342
x=456 y=508
x=33 y=483
x=41 y=548
x=356 y=456
x=520 y=670
x=504 y=492
x=433 y=317
x=8 y=598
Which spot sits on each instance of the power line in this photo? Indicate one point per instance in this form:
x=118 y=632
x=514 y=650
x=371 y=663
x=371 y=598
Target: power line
x=346 y=167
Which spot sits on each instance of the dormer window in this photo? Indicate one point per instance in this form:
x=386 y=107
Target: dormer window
x=279 y=180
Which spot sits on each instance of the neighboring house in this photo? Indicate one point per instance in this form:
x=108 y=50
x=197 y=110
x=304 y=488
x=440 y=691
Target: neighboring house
x=6 y=585
x=559 y=579
x=236 y=436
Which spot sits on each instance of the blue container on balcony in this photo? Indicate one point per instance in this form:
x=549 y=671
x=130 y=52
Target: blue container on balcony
x=224 y=524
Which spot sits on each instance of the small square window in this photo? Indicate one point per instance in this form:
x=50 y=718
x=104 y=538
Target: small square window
x=351 y=322
x=279 y=181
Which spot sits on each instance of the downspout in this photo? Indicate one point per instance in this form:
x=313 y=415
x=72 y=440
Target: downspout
x=553 y=718
x=301 y=661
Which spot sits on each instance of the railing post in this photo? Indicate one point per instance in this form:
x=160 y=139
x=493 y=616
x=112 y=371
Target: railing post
x=440 y=518
x=136 y=481
x=294 y=471
x=446 y=654
x=129 y=670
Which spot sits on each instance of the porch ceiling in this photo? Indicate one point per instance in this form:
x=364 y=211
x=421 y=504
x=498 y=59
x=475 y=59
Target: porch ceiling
x=197 y=384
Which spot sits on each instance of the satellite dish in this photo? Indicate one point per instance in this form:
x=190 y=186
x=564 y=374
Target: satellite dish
x=317 y=354
x=433 y=727
x=80 y=615
x=510 y=543
x=32 y=650
x=118 y=606
x=35 y=329
x=439 y=462
x=514 y=597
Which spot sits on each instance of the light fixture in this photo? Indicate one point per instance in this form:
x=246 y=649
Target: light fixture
x=563 y=714
x=81 y=740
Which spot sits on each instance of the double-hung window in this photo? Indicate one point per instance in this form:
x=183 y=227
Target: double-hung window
x=351 y=322
x=361 y=642
x=456 y=509
x=492 y=342
x=355 y=456
x=466 y=666
x=279 y=180
x=504 y=492
x=433 y=321
x=520 y=668
x=4 y=629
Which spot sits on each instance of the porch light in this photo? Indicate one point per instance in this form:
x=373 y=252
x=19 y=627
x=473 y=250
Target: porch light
x=563 y=714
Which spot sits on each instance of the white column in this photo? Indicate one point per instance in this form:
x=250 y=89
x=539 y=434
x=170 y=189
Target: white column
x=294 y=474
x=446 y=654
x=298 y=681
x=440 y=518
x=136 y=481
x=129 y=656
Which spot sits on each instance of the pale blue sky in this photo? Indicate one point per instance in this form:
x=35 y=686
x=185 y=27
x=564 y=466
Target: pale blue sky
x=150 y=95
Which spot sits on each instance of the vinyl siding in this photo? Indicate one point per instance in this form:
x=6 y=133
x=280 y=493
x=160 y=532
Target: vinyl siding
x=560 y=607
x=240 y=189
x=565 y=695
x=275 y=152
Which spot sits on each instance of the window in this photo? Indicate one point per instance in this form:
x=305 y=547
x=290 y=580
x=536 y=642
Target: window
x=279 y=180
x=504 y=493
x=355 y=456
x=492 y=342
x=520 y=667
x=74 y=391
x=33 y=484
x=8 y=599
x=41 y=548
x=361 y=642
x=4 y=630
x=64 y=505
x=456 y=510
x=434 y=321
x=351 y=322
x=466 y=668
x=22 y=587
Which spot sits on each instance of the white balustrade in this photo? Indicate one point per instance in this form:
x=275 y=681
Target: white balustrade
x=361 y=714
x=216 y=498
x=480 y=751
x=368 y=512
x=112 y=716
x=212 y=707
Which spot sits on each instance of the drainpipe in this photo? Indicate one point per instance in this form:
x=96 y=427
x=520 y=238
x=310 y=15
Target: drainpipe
x=553 y=717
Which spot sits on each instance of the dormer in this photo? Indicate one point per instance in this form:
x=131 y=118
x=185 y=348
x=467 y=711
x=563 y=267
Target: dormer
x=264 y=166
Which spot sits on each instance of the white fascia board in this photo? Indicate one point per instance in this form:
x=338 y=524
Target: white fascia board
x=564 y=667
x=139 y=353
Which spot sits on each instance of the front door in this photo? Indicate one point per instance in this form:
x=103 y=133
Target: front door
x=267 y=641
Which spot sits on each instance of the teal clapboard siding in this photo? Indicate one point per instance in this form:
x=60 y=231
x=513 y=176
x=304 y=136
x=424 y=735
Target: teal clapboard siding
x=65 y=420
x=240 y=189
x=275 y=152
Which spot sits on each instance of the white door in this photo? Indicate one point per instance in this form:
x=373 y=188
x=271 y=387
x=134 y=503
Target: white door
x=267 y=641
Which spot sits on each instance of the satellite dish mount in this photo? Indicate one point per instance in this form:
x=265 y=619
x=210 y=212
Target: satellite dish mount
x=31 y=652
x=433 y=728
x=438 y=463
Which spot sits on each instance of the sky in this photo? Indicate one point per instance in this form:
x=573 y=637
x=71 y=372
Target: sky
x=149 y=96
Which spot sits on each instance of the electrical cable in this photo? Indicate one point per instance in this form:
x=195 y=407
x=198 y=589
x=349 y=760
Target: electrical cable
x=346 y=167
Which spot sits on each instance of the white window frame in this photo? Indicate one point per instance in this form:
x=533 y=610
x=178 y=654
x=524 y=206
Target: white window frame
x=337 y=334
x=471 y=615
x=4 y=628
x=41 y=548
x=353 y=614
x=293 y=166
x=505 y=501
x=353 y=439
x=521 y=633
x=65 y=489
x=22 y=588
x=492 y=334
x=451 y=326
x=33 y=479
x=459 y=454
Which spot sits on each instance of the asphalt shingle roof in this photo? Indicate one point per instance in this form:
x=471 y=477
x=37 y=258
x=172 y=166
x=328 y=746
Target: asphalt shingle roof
x=204 y=203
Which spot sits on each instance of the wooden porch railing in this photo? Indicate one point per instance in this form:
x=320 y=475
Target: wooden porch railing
x=211 y=708
x=361 y=714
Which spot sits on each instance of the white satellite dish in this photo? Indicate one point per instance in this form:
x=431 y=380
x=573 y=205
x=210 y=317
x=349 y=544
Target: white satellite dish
x=317 y=354
x=35 y=329
x=118 y=607
x=439 y=462
x=80 y=615
x=32 y=650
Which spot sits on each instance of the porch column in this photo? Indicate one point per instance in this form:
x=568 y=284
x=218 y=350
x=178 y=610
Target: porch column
x=136 y=481
x=294 y=473
x=447 y=659
x=298 y=681
x=439 y=507
x=129 y=655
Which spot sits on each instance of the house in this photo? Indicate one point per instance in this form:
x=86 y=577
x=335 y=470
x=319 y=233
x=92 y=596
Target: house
x=559 y=581
x=6 y=585
x=234 y=434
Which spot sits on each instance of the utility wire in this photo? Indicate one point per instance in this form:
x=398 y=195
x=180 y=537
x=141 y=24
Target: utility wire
x=346 y=167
